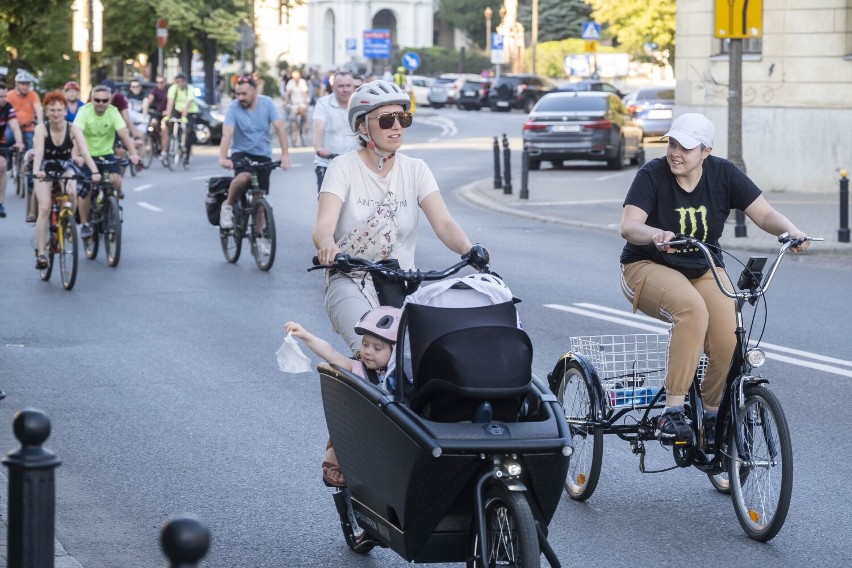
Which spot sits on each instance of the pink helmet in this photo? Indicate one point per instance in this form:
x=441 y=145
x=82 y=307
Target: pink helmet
x=381 y=322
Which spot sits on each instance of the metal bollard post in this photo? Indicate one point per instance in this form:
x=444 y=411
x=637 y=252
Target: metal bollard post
x=507 y=167
x=525 y=175
x=498 y=181
x=740 y=226
x=32 y=493
x=185 y=540
x=843 y=232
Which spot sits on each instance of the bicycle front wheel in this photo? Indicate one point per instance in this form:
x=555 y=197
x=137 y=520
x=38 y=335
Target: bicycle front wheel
x=761 y=477
x=232 y=239
x=91 y=245
x=112 y=230
x=147 y=151
x=68 y=252
x=584 y=469
x=263 y=241
x=510 y=530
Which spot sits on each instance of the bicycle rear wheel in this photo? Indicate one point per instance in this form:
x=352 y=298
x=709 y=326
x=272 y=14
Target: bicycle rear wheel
x=510 y=529
x=68 y=252
x=761 y=478
x=172 y=150
x=20 y=177
x=263 y=239
x=575 y=396
x=112 y=230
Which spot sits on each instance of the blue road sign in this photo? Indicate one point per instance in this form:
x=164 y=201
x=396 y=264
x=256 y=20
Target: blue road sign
x=377 y=44
x=411 y=60
x=351 y=44
x=496 y=41
x=591 y=30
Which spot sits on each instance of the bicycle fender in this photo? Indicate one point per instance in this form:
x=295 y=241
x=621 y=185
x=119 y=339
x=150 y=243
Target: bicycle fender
x=590 y=374
x=512 y=484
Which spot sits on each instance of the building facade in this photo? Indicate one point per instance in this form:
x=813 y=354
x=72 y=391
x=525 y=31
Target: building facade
x=797 y=80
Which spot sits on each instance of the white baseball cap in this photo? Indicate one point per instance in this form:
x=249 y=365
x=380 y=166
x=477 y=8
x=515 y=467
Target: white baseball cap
x=692 y=129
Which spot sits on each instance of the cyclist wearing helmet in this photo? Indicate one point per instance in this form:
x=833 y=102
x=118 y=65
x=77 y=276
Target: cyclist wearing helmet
x=29 y=112
x=10 y=120
x=377 y=328
x=376 y=189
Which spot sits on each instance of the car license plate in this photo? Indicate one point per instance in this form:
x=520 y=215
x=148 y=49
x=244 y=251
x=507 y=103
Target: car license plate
x=659 y=114
x=502 y=103
x=470 y=93
x=566 y=128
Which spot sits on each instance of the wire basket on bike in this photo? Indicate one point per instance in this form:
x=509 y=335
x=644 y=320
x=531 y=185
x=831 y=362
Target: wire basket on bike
x=631 y=368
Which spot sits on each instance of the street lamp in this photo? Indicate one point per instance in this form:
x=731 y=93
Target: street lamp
x=488 y=13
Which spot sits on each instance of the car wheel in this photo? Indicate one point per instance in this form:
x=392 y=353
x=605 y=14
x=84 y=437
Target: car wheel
x=529 y=103
x=617 y=161
x=434 y=105
x=202 y=133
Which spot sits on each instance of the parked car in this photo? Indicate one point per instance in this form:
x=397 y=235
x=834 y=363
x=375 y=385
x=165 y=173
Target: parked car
x=445 y=89
x=518 y=91
x=473 y=94
x=652 y=108
x=592 y=85
x=582 y=125
x=420 y=85
x=208 y=123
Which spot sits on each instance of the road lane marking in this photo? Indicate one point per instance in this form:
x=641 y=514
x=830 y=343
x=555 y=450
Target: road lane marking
x=572 y=203
x=143 y=187
x=149 y=207
x=643 y=322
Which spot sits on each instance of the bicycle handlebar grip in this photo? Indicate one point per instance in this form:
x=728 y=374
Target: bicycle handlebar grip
x=477 y=256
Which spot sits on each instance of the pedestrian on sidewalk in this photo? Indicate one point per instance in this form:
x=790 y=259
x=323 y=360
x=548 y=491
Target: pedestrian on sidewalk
x=689 y=192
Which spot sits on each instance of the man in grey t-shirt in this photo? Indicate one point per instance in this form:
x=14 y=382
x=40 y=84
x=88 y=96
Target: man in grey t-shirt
x=332 y=133
x=246 y=133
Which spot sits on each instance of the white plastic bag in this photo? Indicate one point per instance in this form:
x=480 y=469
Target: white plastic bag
x=290 y=357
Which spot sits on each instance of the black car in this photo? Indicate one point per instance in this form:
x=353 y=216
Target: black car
x=592 y=85
x=473 y=94
x=518 y=91
x=582 y=125
x=208 y=123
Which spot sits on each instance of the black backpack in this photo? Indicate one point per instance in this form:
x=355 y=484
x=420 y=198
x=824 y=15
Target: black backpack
x=217 y=191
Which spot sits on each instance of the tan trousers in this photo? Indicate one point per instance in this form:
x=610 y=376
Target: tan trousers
x=702 y=318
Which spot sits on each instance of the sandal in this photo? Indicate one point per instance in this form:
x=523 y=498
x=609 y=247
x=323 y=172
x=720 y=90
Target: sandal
x=331 y=474
x=30 y=218
x=42 y=262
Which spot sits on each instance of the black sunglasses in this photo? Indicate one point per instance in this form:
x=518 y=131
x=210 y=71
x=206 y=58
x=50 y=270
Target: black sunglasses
x=102 y=101
x=246 y=80
x=386 y=119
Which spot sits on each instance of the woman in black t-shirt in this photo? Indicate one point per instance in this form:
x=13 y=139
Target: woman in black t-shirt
x=688 y=192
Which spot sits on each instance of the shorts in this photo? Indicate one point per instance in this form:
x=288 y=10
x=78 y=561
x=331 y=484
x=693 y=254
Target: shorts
x=262 y=175
x=106 y=169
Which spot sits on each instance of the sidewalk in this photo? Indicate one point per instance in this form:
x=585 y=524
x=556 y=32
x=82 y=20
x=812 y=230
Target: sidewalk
x=556 y=197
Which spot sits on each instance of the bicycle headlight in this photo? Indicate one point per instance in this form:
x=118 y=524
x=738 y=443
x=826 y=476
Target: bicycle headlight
x=513 y=468
x=756 y=357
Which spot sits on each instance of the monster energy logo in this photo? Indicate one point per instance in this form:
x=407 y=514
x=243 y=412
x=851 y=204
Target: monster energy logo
x=691 y=220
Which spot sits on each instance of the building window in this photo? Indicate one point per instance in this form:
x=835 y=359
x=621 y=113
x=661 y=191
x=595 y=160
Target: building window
x=751 y=45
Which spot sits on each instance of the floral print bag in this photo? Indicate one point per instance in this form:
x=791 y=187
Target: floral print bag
x=375 y=237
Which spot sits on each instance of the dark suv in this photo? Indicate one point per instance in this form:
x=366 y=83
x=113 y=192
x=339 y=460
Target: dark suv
x=518 y=91
x=473 y=95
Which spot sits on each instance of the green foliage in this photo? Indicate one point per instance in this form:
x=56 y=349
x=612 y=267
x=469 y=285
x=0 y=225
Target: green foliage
x=636 y=22
x=437 y=60
x=550 y=56
x=557 y=19
x=469 y=16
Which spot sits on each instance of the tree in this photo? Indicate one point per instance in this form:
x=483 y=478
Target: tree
x=634 y=23
x=469 y=17
x=557 y=19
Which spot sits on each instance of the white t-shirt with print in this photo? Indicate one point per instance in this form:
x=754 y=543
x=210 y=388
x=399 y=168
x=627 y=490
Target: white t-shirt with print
x=362 y=190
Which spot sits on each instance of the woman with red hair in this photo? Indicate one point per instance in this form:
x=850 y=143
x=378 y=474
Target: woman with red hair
x=56 y=140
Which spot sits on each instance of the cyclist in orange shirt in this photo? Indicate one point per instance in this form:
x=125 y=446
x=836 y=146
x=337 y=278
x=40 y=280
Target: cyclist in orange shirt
x=29 y=112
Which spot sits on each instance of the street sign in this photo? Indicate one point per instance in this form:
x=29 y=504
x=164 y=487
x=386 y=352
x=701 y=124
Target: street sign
x=498 y=55
x=591 y=46
x=739 y=19
x=162 y=32
x=377 y=44
x=411 y=60
x=591 y=30
x=351 y=45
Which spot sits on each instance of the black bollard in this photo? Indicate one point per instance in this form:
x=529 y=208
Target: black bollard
x=32 y=493
x=739 y=226
x=498 y=181
x=185 y=540
x=525 y=175
x=507 y=167
x=843 y=232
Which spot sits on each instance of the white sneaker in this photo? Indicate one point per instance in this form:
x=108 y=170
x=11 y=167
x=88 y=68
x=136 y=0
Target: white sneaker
x=263 y=247
x=226 y=217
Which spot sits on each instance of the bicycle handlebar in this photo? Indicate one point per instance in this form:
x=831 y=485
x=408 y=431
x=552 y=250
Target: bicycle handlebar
x=787 y=242
x=255 y=165
x=477 y=257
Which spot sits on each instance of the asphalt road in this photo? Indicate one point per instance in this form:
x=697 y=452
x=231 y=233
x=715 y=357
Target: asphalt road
x=160 y=380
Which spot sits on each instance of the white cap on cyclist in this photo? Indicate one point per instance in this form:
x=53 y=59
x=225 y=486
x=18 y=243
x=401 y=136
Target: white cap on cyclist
x=24 y=77
x=692 y=129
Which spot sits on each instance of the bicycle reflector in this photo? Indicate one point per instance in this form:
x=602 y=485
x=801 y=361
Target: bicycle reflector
x=756 y=357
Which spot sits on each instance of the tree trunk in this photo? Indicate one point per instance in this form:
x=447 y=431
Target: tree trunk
x=210 y=47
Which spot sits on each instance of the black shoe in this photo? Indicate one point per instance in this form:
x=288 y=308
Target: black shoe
x=709 y=429
x=42 y=262
x=2 y=211
x=86 y=231
x=672 y=425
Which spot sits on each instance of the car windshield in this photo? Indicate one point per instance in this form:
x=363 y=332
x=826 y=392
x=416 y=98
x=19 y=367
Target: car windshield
x=665 y=94
x=562 y=104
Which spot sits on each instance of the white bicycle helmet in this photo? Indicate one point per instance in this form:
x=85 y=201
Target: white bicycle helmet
x=372 y=95
x=381 y=322
x=24 y=77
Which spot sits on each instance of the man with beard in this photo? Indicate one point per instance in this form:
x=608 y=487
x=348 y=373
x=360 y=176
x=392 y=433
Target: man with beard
x=247 y=121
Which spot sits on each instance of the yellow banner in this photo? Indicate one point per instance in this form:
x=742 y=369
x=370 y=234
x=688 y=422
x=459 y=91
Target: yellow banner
x=739 y=19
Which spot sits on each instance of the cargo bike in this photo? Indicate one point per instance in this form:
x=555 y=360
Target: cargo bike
x=464 y=460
